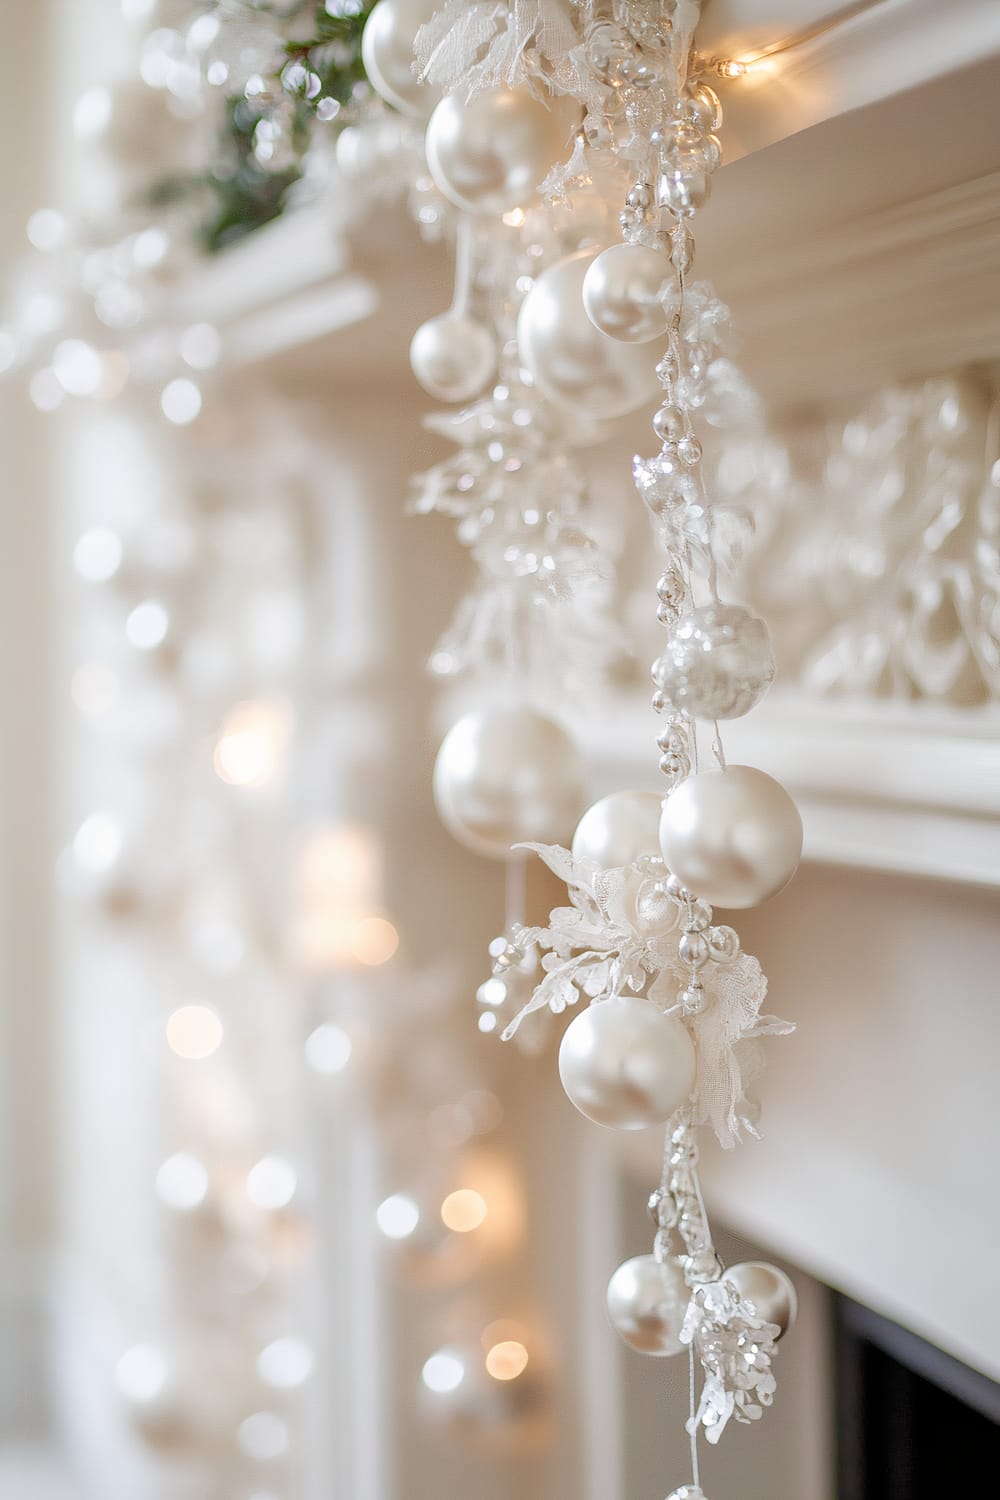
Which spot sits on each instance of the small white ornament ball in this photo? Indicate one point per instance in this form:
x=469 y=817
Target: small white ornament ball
x=619 y=829
x=733 y=837
x=621 y=292
x=453 y=356
x=387 y=53
x=688 y=1492
x=571 y=362
x=625 y=1064
x=506 y=776
x=769 y=1289
x=489 y=155
x=647 y=1301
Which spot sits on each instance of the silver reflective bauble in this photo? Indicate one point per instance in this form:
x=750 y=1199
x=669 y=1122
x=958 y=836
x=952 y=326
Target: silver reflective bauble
x=625 y=1064
x=619 y=829
x=647 y=1300
x=489 y=155
x=453 y=356
x=769 y=1289
x=717 y=663
x=571 y=362
x=505 y=776
x=387 y=53
x=621 y=292
x=733 y=837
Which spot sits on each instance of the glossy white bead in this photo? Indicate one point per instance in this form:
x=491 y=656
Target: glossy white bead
x=505 y=776
x=387 y=53
x=625 y=1064
x=490 y=155
x=453 y=356
x=621 y=293
x=619 y=829
x=733 y=837
x=571 y=362
x=647 y=1301
x=769 y=1289
x=688 y=1492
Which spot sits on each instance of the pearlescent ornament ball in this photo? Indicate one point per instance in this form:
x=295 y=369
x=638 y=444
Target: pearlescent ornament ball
x=505 y=776
x=717 y=664
x=571 y=361
x=621 y=293
x=769 y=1289
x=387 y=53
x=619 y=829
x=489 y=155
x=453 y=356
x=624 y=1064
x=647 y=1301
x=733 y=837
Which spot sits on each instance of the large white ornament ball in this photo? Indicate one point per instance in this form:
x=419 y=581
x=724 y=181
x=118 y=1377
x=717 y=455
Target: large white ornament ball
x=619 y=829
x=769 y=1289
x=489 y=155
x=505 y=776
x=647 y=1301
x=387 y=53
x=571 y=362
x=453 y=356
x=621 y=292
x=625 y=1064
x=733 y=837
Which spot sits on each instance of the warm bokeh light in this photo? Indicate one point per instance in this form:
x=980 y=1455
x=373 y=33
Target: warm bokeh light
x=464 y=1210
x=252 y=743
x=374 y=941
x=194 y=1032
x=507 y=1360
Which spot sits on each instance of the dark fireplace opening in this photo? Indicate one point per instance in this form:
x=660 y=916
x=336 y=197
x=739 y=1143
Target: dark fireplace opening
x=912 y=1422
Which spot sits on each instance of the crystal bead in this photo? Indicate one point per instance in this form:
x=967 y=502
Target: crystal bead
x=608 y=48
x=670 y=587
x=676 y=889
x=699 y=917
x=692 y=998
x=717 y=663
x=684 y=192
x=667 y=369
x=693 y=950
x=669 y=424
x=689 y=449
x=659 y=702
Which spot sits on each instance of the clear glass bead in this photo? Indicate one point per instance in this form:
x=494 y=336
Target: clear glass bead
x=693 y=949
x=669 y=425
x=717 y=663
